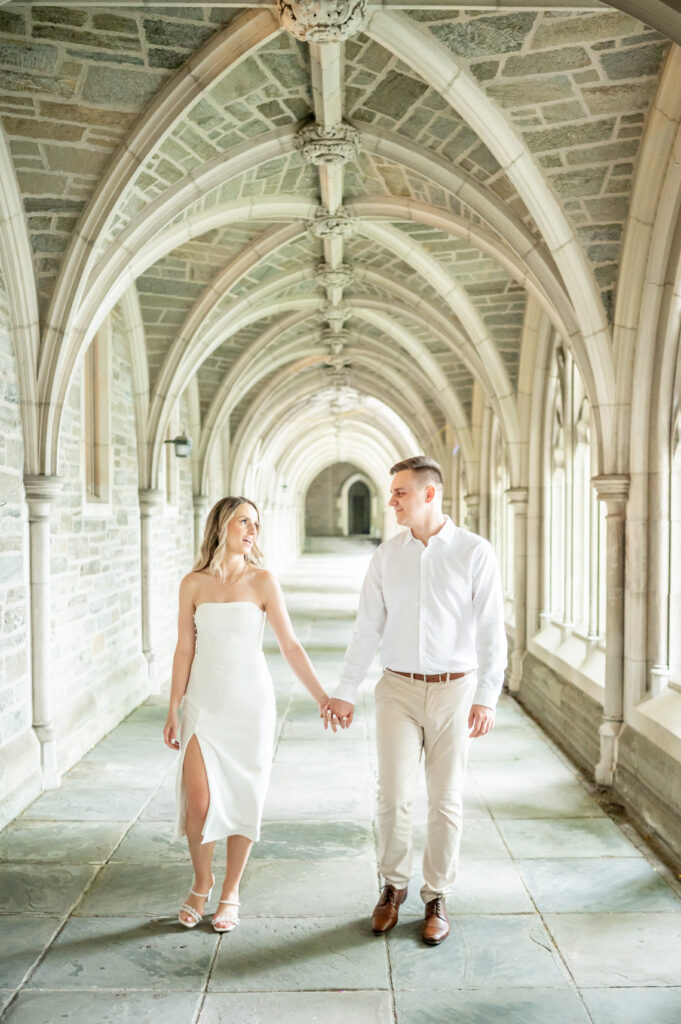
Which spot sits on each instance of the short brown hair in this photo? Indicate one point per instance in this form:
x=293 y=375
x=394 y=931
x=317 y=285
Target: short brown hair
x=428 y=470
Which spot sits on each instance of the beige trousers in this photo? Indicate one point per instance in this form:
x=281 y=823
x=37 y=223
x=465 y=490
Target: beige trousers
x=415 y=719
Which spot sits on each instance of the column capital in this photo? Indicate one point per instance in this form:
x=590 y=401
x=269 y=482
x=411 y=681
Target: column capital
x=150 y=500
x=518 y=496
x=472 y=502
x=322 y=21
x=41 y=493
x=200 y=501
x=612 y=487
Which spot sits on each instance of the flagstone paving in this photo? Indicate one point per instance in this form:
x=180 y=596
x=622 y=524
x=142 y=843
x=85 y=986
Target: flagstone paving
x=560 y=915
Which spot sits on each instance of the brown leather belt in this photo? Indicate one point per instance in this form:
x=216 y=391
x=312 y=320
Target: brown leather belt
x=437 y=677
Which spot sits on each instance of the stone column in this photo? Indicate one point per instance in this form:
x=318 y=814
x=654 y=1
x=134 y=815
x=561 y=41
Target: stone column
x=518 y=500
x=150 y=502
x=41 y=493
x=201 y=508
x=473 y=512
x=614 y=490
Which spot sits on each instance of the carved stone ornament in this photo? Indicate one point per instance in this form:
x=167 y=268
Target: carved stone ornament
x=322 y=21
x=335 y=314
x=334 y=277
x=332 y=225
x=339 y=362
x=336 y=340
x=333 y=145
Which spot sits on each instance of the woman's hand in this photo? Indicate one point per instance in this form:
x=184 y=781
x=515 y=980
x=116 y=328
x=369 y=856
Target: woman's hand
x=336 y=712
x=171 y=730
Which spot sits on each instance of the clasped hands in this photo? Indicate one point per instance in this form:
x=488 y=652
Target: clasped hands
x=336 y=713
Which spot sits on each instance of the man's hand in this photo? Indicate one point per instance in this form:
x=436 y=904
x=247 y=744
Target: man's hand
x=337 y=712
x=480 y=720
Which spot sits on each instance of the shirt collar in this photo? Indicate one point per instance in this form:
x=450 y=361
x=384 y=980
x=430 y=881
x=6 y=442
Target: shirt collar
x=445 y=533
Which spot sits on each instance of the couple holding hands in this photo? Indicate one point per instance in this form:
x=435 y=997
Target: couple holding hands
x=431 y=598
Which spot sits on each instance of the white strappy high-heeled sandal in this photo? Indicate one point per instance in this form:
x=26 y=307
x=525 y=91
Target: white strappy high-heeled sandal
x=225 y=922
x=192 y=911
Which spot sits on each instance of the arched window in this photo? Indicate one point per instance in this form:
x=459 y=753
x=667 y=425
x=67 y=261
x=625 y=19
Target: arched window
x=575 y=539
x=97 y=450
x=500 y=512
x=557 y=545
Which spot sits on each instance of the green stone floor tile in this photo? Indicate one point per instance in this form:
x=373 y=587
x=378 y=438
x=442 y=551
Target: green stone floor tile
x=42 y=888
x=567 y=799
x=311 y=840
x=22 y=940
x=103 y=1008
x=151 y=842
x=499 y=952
x=566 y=837
x=332 y=749
x=480 y=840
x=127 y=953
x=109 y=775
x=305 y=801
x=60 y=842
x=161 y=807
x=288 y=888
x=152 y=889
x=288 y=955
x=481 y=887
x=510 y=1006
x=97 y=804
x=619 y=950
x=297 y=1008
x=633 y=1005
x=590 y=885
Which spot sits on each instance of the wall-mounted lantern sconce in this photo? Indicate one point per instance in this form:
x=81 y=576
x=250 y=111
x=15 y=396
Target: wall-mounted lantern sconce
x=183 y=446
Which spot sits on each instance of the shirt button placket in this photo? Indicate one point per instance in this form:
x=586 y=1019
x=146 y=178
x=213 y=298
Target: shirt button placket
x=423 y=611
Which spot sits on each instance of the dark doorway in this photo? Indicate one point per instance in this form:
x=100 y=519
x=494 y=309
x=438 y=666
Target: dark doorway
x=359 y=508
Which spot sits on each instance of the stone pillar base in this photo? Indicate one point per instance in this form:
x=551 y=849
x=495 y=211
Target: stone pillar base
x=604 y=772
x=516 y=677
x=48 y=756
x=152 y=678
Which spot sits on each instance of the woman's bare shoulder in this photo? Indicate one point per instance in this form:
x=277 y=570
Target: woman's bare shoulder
x=192 y=580
x=262 y=578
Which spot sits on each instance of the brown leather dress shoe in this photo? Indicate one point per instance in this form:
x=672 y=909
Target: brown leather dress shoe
x=436 y=924
x=387 y=909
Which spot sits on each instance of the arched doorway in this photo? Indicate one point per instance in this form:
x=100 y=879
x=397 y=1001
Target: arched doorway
x=359 y=508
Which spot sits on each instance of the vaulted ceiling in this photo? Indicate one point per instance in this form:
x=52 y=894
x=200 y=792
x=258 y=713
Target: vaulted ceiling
x=332 y=223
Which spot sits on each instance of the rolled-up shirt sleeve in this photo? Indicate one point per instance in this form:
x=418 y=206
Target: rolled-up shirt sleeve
x=490 y=634
x=366 y=634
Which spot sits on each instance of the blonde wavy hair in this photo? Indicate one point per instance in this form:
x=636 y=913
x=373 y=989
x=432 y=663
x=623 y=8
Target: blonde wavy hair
x=214 y=544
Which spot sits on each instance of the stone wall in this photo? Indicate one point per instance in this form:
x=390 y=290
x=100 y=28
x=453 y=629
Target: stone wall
x=567 y=714
x=322 y=515
x=99 y=671
x=19 y=750
x=173 y=545
x=648 y=782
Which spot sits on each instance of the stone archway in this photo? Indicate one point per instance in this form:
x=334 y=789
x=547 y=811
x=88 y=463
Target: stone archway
x=359 y=509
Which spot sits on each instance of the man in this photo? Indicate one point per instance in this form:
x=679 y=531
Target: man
x=432 y=597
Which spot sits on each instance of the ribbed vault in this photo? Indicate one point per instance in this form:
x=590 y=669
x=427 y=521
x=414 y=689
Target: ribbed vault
x=330 y=248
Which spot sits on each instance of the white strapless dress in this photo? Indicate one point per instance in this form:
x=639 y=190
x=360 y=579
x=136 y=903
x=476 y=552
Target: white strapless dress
x=229 y=706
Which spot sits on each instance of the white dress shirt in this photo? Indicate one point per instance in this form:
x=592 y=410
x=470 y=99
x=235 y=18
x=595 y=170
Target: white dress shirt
x=434 y=608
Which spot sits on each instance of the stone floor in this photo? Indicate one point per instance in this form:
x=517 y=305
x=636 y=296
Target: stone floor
x=559 y=915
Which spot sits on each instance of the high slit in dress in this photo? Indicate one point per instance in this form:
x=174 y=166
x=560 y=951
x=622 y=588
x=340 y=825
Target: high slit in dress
x=229 y=706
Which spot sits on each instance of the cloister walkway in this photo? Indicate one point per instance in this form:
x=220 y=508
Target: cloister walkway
x=560 y=916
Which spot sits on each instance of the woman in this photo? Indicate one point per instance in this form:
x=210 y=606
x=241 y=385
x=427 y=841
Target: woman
x=228 y=714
